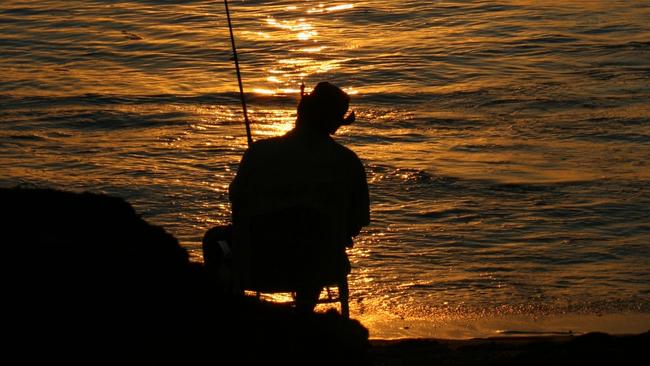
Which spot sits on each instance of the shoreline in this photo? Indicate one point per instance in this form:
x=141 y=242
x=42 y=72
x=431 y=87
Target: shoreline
x=387 y=326
x=512 y=326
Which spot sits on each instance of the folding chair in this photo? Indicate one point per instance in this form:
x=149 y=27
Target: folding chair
x=281 y=257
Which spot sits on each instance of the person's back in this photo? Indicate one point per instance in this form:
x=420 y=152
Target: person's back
x=304 y=187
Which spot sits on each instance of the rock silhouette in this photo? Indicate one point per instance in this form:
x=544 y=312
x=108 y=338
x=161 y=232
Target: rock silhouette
x=89 y=280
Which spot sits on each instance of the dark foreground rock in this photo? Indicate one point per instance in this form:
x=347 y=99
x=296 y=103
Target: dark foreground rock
x=87 y=280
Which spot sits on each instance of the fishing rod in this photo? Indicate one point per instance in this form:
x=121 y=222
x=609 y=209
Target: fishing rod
x=241 y=86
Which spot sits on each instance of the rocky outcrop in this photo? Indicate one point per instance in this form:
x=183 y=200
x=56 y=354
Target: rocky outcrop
x=87 y=279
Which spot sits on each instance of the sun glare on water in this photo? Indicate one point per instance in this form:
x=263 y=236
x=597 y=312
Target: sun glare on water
x=309 y=54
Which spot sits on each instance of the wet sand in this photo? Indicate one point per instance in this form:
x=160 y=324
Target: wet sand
x=468 y=327
x=588 y=349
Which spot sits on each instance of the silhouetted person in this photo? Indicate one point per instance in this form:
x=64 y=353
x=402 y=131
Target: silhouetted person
x=302 y=195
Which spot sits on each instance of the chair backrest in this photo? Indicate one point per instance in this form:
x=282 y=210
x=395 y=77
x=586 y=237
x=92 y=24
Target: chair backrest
x=289 y=248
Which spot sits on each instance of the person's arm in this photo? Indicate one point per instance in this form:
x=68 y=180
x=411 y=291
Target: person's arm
x=238 y=188
x=360 y=201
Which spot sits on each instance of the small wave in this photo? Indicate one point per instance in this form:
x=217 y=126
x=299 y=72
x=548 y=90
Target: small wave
x=114 y=120
x=607 y=29
x=622 y=121
x=408 y=175
x=611 y=137
x=27 y=137
x=491 y=147
x=525 y=188
x=490 y=8
x=549 y=38
x=632 y=45
x=457 y=212
x=534 y=332
x=131 y=36
x=8 y=101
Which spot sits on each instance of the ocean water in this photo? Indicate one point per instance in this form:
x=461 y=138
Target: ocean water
x=506 y=142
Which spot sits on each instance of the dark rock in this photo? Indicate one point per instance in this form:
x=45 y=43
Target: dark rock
x=88 y=280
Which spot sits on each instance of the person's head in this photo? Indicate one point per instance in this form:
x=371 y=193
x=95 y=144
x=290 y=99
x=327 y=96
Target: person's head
x=323 y=110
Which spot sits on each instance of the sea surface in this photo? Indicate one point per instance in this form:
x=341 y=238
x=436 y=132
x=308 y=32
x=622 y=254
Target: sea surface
x=506 y=143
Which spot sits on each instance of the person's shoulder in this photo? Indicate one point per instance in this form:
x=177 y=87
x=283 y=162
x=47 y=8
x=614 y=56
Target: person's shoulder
x=347 y=155
x=344 y=150
x=265 y=144
x=269 y=141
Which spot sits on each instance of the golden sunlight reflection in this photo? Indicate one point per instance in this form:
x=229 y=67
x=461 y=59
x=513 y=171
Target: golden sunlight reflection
x=280 y=297
x=306 y=56
x=311 y=66
x=263 y=91
x=277 y=91
x=263 y=35
x=287 y=297
x=322 y=9
x=351 y=91
x=315 y=49
x=303 y=30
x=272 y=122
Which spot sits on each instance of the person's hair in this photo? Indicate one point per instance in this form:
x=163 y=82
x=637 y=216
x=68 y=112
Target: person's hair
x=323 y=109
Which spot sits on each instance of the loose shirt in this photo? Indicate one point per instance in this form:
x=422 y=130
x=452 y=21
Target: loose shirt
x=303 y=190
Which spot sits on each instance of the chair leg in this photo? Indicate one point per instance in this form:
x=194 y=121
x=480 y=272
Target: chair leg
x=344 y=294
